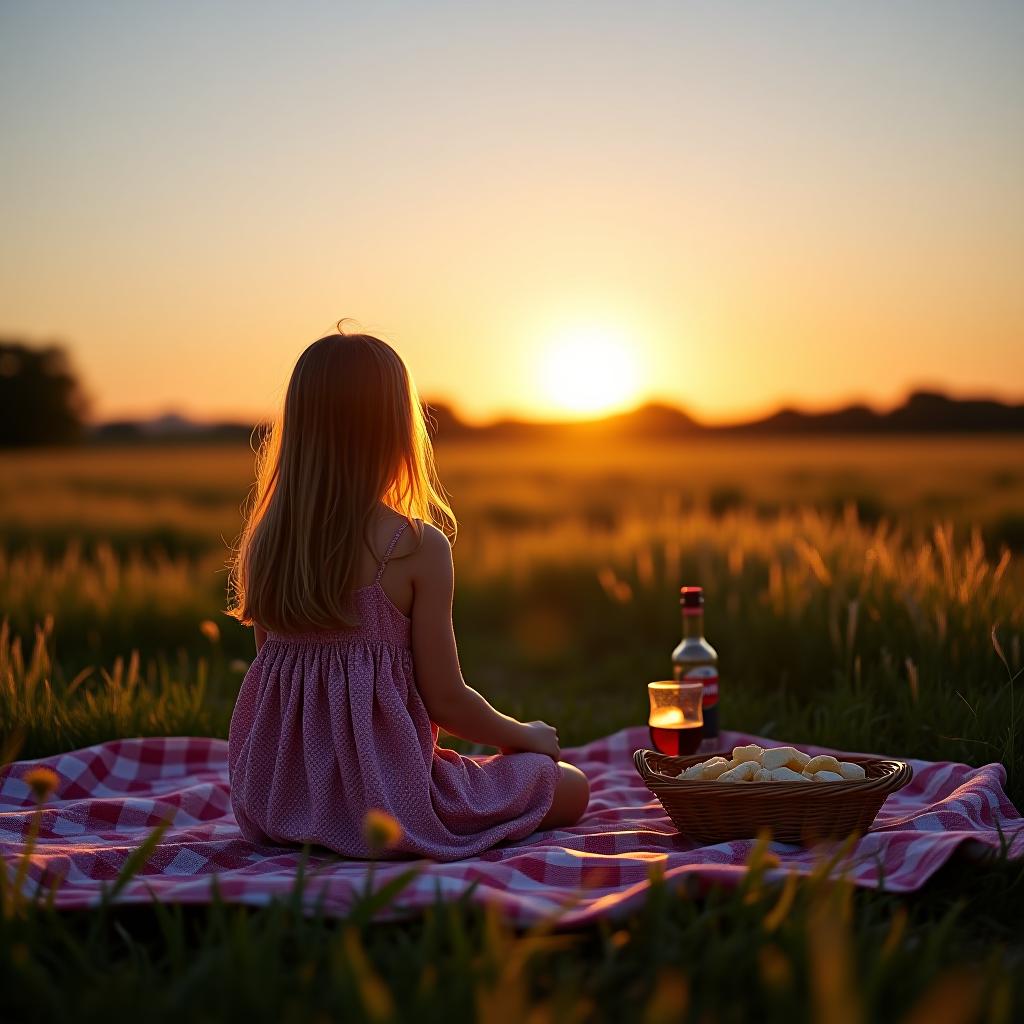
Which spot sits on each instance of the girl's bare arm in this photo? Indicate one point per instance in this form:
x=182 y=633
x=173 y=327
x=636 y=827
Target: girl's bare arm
x=451 y=703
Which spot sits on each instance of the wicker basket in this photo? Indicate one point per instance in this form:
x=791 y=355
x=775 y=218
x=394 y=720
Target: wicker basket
x=794 y=812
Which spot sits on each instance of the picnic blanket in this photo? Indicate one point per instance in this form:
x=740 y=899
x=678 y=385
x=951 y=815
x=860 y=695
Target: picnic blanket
x=112 y=795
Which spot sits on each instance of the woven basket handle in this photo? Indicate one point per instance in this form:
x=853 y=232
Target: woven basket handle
x=640 y=760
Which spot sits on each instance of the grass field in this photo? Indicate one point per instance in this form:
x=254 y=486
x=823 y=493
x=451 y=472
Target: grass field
x=853 y=589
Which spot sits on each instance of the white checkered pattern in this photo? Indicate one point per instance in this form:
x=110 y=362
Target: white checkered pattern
x=110 y=796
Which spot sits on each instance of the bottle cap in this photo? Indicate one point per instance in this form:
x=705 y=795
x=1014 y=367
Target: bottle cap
x=691 y=597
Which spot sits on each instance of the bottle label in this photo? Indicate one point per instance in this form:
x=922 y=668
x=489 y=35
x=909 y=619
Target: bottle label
x=708 y=675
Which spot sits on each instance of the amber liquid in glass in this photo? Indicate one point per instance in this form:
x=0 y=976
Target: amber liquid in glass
x=677 y=739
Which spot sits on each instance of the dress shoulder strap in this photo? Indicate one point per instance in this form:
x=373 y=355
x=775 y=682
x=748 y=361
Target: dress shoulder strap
x=387 y=553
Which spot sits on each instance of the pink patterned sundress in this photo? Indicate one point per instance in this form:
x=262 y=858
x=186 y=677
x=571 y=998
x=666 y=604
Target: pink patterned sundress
x=329 y=725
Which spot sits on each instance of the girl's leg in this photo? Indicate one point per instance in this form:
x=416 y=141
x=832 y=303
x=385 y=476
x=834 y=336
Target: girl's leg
x=572 y=793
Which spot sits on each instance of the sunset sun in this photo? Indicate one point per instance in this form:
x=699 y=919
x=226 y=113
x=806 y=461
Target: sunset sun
x=589 y=370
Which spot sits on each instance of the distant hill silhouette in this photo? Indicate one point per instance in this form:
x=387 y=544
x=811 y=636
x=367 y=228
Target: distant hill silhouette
x=923 y=412
x=169 y=428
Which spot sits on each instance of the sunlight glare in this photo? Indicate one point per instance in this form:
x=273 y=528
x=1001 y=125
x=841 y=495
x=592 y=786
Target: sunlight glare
x=589 y=370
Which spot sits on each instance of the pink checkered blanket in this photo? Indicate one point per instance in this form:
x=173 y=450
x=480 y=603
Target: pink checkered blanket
x=112 y=795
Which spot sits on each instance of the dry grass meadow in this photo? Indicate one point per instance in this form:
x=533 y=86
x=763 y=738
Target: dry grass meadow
x=854 y=589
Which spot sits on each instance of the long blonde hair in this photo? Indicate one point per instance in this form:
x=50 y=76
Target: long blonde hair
x=351 y=435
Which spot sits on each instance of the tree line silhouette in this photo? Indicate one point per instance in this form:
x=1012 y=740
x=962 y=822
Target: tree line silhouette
x=41 y=398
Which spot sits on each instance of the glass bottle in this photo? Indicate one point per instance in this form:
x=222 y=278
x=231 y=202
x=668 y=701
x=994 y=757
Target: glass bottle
x=695 y=660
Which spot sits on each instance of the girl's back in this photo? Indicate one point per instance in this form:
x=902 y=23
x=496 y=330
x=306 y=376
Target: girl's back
x=357 y=667
x=330 y=725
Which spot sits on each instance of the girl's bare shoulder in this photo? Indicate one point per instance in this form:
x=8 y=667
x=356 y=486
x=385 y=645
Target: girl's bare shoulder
x=435 y=544
x=430 y=553
x=422 y=544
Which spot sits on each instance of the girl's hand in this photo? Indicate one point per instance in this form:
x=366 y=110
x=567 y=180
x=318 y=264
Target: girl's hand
x=537 y=738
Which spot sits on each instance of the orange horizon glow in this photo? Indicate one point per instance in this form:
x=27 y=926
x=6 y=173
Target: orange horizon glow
x=547 y=415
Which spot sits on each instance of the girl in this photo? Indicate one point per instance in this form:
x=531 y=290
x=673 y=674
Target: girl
x=347 y=579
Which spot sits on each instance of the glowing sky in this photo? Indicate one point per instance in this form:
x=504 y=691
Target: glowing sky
x=764 y=202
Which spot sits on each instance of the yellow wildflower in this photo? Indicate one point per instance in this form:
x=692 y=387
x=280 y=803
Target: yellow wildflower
x=42 y=781
x=210 y=630
x=380 y=830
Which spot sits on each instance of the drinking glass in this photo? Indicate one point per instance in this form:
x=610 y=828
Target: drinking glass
x=677 y=716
